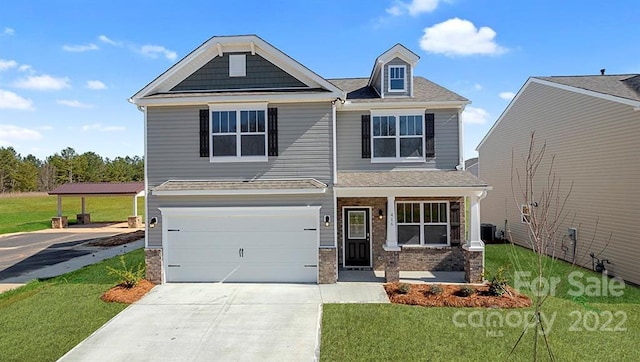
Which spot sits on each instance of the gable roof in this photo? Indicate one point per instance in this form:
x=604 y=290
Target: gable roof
x=621 y=88
x=399 y=51
x=217 y=46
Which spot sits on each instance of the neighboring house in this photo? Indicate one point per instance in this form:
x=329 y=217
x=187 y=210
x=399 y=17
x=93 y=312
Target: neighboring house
x=591 y=125
x=471 y=165
x=260 y=170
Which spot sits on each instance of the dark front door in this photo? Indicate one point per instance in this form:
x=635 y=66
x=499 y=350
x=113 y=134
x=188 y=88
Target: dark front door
x=357 y=238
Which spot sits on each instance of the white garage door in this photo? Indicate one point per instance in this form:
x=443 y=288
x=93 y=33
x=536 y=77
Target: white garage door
x=274 y=244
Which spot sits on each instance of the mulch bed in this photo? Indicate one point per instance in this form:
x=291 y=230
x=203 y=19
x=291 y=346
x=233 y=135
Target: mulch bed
x=119 y=239
x=122 y=294
x=419 y=294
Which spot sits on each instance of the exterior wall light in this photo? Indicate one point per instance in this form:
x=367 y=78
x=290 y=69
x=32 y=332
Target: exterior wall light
x=327 y=220
x=380 y=214
x=153 y=222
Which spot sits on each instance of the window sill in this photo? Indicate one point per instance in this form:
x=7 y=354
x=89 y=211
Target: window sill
x=431 y=246
x=396 y=91
x=398 y=160
x=238 y=159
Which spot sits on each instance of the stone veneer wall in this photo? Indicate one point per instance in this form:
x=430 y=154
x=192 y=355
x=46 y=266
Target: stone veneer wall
x=327 y=268
x=473 y=266
x=153 y=260
x=410 y=258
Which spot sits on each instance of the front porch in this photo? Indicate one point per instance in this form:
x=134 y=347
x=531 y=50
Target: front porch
x=407 y=225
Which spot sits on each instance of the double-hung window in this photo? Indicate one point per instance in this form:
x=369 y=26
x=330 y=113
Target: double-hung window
x=398 y=136
x=397 y=78
x=423 y=223
x=238 y=133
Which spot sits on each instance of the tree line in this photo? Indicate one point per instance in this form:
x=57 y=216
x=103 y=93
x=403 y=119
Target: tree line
x=24 y=174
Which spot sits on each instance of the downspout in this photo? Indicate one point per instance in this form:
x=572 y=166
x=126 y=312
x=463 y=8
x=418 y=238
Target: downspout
x=334 y=147
x=146 y=184
x=461 y=163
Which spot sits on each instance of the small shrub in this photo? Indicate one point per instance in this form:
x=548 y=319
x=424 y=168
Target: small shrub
x=435 y=289
x=404 y=288
x=498 y=283
x=128 y=276
x=466 y=291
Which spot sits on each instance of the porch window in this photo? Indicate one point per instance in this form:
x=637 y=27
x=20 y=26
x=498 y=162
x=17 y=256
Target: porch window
x=238 y=133
x=423 y=223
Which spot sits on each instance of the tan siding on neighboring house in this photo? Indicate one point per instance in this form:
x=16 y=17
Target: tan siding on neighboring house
x=595 y=143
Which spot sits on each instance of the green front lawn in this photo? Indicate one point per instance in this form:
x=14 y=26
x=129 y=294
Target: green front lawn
x=30 y=212
x=582 y=328
x=44 y=319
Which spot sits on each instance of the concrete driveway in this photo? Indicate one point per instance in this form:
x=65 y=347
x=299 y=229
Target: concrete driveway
x=222 y=322
x=211 y=322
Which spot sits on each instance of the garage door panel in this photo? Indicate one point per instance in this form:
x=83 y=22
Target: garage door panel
x=252 y=245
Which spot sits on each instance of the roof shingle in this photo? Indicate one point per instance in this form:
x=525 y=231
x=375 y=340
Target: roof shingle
x=99 y=188
x=424 y=90
x=623 y=86
x=223 y=185
x=427 y=178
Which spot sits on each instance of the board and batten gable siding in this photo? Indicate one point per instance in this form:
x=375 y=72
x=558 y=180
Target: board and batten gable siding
x=349 y=135
x=304 y=142
x=260 y=73
x=408 y=75
x=595 y=143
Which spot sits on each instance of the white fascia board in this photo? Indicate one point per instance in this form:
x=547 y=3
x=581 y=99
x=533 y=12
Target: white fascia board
x=239 y=192
x=373 y=106
x=274 y=98
x=401 y=52
x=558 y=86
x=241 y=210
x=409 y=191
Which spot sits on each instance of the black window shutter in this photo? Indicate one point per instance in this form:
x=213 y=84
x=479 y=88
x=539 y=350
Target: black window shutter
x=366 y=136
x=204 y=133
x=454 y=222
x=272 y=126
x=429 y=126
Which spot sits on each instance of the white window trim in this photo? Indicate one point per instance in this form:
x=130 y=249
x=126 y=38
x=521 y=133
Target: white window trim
x=364 y=218
x=397 y=114
x=237 y=107
x=422 y=224
x=404 y=86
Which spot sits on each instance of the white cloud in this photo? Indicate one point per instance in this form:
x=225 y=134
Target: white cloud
x=10 y=100
x=413 y=8
x=25 y=68
x=95 y=84
x=73 y=103
x=105 y=39
x=80 y=48
x=474 y=115
x=507 y=95
x=8 y=31
x=7 y=64
x=43 y=82
x=99 y=127
x=153 y=51
x=478 y=86
x=45 y=128
x=10 y=133
x=460 y=37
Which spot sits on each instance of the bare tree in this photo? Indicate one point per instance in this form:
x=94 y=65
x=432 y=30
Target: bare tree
x=538 y=196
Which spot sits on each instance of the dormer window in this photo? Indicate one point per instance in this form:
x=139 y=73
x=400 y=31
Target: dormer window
x=397 y=78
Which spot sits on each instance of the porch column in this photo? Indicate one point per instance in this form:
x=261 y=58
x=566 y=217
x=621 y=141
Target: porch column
x=392 y=237
x=135 y=205
x=59 y=206
x=83 y=206
x=475 y=242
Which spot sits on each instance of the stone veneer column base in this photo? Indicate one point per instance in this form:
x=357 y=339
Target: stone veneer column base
x=153 y=261
x=83 y=219
x=134 y=222
x=392 y=267
x=328 y=266
x=473 y=266
x=59 y=222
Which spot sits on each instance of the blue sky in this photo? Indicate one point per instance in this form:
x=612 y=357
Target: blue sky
x=68 y=67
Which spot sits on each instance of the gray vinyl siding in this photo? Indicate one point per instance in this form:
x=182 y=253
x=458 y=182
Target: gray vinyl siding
x=349 y=138
x=260 y=74
x=304 y=148
x=408 y=75
x=595 y=143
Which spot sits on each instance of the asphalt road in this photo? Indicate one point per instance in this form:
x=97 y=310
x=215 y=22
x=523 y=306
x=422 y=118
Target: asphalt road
x=25 y=252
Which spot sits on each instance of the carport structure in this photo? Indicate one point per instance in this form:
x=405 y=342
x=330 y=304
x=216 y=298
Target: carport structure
x=96 y=189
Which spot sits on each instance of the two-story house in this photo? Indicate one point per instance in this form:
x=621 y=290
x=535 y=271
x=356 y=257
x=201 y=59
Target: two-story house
x=260 y=170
